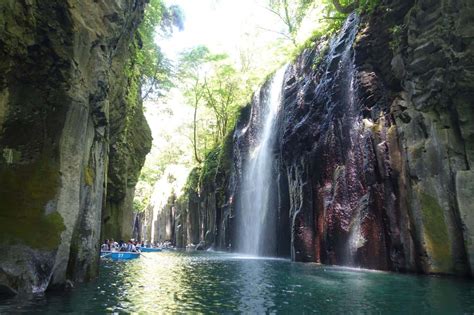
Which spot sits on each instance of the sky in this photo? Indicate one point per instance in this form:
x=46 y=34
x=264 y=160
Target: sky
x=221 y=25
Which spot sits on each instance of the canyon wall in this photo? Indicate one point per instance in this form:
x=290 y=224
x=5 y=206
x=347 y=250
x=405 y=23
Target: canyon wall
x=65 y=121
x=376 y=142
x=374 y=151
x=204 y=210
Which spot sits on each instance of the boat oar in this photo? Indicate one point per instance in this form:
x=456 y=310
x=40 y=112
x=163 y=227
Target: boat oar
x=108 y=254
x=143 y=255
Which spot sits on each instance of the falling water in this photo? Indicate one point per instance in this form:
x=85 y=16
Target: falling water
x=355 y=203
x=257 y=227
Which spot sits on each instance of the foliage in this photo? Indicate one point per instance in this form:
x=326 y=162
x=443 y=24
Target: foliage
x=214 y=169
x=225 y=156
x=325 y=17
x=210 y=166
x=149 y=72
x=140 y=204
x=192 y=182
x=340 y=8
x=148 y=67
x=291 y=13
x=334 y=14
x=368 y=6
x=190 y=64
x=396 y=33
x=215 y=90
x=223 y=95
x=318 y=37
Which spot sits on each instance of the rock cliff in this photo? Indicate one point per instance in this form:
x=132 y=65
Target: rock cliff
x=65 y=125
x=376 y=142
x=203 y=213
x=375 y=146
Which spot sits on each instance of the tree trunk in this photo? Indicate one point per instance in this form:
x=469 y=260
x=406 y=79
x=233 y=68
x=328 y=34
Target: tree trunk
x=196 y=156
x=345 y=9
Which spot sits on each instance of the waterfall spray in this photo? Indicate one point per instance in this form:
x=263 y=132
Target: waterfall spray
x=257 y=212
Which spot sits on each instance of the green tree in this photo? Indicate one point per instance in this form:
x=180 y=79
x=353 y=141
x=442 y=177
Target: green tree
x=223 y=91
x=193 y=64
x=340 y=8
x=345 y=8
x=153 y=69
x=190 y=67
x=291 y=13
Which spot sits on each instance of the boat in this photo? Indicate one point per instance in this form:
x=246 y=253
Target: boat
x=119 y=255
x=149 y=249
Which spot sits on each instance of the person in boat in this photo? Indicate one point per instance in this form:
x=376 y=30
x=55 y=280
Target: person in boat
x=131 y=247
x=122 y=246
x=113 y=246
x=105 y=246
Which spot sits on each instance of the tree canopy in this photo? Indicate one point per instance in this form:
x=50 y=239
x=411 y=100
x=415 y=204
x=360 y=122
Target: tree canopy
x=154 y=70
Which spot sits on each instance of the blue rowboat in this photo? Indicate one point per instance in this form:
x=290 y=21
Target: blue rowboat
x=149 y=250
x=119 y=255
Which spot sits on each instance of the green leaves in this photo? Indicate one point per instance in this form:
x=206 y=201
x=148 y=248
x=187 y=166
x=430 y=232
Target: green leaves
x=214 y=87
x=151 y=69
x=291 y=13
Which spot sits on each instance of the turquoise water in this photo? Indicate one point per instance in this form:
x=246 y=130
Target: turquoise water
x=228 y=283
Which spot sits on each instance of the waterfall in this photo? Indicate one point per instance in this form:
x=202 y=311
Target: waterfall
x=257 y=224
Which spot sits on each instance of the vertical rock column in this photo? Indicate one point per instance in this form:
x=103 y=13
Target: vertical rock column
x=61 y=75
x=436 y=129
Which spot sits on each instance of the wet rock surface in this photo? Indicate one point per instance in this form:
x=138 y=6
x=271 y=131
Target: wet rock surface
x=373 y=154
x=376 y=143
x=204 y=213
x=374 y=150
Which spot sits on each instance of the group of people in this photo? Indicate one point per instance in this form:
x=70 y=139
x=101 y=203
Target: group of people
x=121 y=246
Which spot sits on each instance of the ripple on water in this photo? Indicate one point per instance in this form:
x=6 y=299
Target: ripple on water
x=211 y=282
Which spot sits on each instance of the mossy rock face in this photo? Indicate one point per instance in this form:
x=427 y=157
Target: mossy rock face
x=26 y=215
x=210 y=167
x=436 y=234
x=89 y=176
x=64 y=121
x=192 y=183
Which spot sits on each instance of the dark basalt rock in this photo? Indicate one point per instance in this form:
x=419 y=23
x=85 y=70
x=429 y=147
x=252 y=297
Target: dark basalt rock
x=374 y=150
x=375 y=143
x=372 y=146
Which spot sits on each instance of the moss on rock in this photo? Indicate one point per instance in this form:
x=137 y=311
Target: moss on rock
x=89 y=176
x=436 y=234
x=25 y=215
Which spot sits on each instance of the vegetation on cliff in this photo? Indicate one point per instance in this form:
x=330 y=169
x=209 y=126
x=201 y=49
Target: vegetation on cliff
x=147 y=74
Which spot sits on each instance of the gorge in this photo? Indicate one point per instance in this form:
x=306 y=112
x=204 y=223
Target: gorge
x=358 y=152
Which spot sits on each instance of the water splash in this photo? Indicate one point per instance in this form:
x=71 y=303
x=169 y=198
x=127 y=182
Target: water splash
x=257 y=212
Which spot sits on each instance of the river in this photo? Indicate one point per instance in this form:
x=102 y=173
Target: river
x=211 y=282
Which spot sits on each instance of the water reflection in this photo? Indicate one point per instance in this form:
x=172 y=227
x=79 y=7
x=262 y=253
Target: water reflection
x=253 y=289
x=226 y=283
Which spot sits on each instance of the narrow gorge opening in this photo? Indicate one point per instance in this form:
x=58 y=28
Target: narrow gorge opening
x=179 y=156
